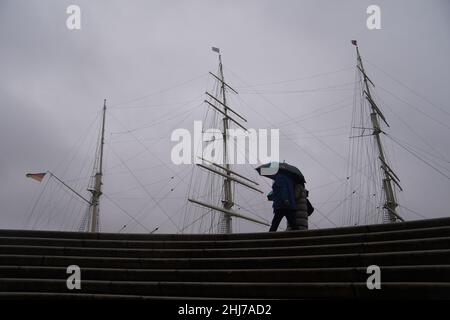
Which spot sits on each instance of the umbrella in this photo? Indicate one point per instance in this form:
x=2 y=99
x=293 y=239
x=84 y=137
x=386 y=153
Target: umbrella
x=286 y=168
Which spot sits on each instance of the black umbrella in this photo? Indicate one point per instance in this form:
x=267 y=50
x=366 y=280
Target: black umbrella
x=286 y=168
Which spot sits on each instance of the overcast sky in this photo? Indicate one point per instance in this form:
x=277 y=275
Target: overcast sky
x=53 y=82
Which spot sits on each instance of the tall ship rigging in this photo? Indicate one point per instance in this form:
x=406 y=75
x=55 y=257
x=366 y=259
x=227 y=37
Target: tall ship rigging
x=213 y=198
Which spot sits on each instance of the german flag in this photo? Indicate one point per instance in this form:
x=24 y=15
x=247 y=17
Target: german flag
x=36 y=176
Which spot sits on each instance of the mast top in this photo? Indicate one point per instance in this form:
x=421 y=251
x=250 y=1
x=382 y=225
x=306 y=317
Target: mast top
x=215 y=49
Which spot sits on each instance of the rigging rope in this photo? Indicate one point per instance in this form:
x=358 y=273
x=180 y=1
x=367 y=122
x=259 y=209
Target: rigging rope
x=143 y=187
x=126 y=212
x=409 y=88
x=418 y=157
x=160 y=91
x=297 y=79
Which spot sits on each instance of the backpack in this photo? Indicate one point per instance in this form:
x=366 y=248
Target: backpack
x=310 y=208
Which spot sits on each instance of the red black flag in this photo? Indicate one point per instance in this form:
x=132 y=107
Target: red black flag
x=36 y=176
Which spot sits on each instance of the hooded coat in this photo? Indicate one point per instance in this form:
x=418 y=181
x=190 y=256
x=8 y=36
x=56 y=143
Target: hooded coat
x=283 y=193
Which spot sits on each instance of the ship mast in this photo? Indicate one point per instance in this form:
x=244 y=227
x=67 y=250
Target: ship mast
x=96 y=190
x=225 y=223
x=225 y=170
x=389 y=176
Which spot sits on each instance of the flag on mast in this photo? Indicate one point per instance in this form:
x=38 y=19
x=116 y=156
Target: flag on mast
x=36 y=176
x=215 y=49
x=354 y=43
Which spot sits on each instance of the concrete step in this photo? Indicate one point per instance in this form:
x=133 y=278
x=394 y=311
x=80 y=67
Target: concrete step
x=86 y=296
x=428 y=257
x=371 y=247
x=295 y=240
x=247 y=290
x=415 y=273
x=409 y=225
x=414 y=258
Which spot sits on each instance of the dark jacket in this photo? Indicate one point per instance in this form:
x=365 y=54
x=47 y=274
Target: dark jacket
x=282 y=195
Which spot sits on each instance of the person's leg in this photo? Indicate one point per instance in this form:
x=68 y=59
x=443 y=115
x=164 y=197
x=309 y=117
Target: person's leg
x=277 y=216
x=290 y=217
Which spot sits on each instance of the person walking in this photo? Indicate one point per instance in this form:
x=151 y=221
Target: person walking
x=284 y=204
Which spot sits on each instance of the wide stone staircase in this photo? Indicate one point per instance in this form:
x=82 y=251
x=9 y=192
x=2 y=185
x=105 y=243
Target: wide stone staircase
x=414 y=261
